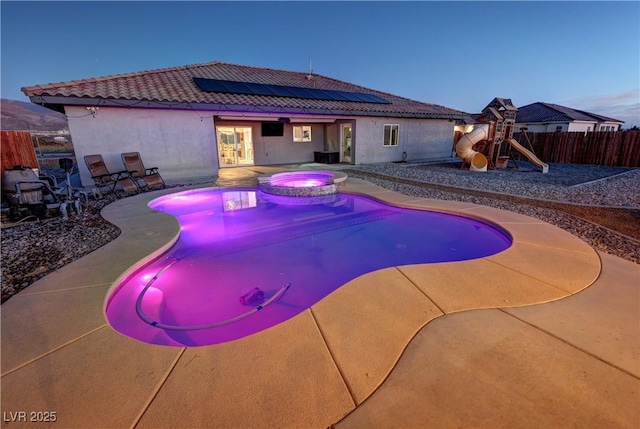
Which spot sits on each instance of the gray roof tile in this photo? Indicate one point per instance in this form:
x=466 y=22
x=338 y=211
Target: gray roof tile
x=547 y=112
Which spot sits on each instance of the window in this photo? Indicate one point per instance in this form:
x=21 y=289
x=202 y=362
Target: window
x=302 y=133
x=390 y=135
x=558 y=128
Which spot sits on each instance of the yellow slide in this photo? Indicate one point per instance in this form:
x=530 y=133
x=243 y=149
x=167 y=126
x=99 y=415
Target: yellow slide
x=464 y=148
x=530 y=155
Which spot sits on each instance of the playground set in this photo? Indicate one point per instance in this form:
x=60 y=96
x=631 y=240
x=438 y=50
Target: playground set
x=493 y=127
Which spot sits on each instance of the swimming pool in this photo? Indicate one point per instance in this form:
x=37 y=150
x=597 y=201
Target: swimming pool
x=246 y=261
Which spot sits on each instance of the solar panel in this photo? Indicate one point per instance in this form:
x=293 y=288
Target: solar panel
x=209 y=85
x=252 y=88
x=304 y=93
x=354 y=96
x=372 y=98
x=260 y=89
x=319 y=94
x=237 y=88
x=335 y=95
x=281 y=91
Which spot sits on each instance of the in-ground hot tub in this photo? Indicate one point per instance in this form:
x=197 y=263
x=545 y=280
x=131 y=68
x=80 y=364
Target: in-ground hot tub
x=301 y=183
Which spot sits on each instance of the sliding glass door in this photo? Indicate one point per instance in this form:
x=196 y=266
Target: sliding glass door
x=235 y=146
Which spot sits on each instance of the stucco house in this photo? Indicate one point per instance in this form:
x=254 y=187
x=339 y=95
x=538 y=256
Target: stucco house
x=546 y=117
x=192 y=120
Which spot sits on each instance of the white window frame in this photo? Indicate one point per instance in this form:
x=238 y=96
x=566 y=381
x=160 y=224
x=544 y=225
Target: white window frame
x=302 y=133
x=393 y=142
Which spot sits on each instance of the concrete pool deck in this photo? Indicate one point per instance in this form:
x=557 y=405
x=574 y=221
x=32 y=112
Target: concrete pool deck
x=544 y=334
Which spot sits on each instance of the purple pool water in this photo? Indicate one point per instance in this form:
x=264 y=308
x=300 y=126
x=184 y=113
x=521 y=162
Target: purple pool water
x=298 y=179
x=238 y=250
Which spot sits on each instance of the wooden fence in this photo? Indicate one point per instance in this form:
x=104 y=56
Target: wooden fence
x=611 y=148
x=17 y=149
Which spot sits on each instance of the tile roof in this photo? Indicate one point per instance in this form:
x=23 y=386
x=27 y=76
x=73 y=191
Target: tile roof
x=175 y=88
x=547 y=112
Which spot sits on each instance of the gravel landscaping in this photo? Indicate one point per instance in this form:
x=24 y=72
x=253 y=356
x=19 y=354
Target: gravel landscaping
x=31 y=250
x=585 y=184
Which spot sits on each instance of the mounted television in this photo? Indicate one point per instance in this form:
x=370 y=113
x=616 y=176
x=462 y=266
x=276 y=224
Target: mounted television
x=272 y=129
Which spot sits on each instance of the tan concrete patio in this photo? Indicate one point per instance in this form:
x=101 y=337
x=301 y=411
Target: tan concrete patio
x=440 y=345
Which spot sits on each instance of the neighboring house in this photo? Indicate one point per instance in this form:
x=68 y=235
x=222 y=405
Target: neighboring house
x=546 y=117
x=192 y=120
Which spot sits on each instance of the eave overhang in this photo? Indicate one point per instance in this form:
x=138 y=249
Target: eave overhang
x=57 y=103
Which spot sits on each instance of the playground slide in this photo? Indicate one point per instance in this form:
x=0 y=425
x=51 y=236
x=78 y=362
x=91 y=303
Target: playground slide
x=464 y=148
x=530 y=155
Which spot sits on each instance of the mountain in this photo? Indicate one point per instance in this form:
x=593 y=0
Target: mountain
x=20 y=115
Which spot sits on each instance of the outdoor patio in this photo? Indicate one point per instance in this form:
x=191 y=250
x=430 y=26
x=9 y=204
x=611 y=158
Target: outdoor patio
x=544 y=334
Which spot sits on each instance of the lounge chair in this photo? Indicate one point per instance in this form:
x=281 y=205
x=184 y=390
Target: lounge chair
x=145 y=177
x=107 y=180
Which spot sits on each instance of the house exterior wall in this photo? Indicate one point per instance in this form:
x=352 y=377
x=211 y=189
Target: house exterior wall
x=577 y=126
x=542 y=128
x=179 y=143
x=421 y=139
x=580 y=126
x=283 y=150
x=184 y=146
x=607 y=126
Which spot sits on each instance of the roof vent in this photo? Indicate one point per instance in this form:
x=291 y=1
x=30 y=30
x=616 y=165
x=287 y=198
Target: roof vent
x=310 y=75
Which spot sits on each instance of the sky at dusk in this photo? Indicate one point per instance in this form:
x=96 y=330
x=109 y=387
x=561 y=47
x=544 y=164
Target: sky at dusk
x=461 y=55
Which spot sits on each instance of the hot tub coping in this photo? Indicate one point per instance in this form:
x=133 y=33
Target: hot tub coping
x=336 y=176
